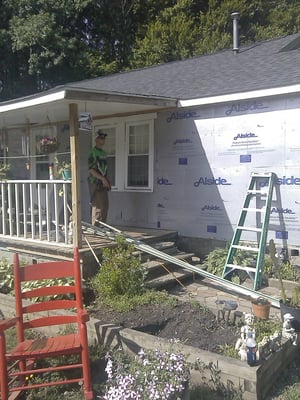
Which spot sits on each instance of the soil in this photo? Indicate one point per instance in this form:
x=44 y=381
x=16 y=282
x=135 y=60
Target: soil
x=197 y=327
x=194 y=326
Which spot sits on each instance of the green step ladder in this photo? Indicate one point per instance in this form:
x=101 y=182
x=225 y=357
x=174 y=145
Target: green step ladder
x=260 y=192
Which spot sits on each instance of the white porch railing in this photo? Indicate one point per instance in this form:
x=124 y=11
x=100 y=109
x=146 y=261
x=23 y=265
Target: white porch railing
x=36 y=210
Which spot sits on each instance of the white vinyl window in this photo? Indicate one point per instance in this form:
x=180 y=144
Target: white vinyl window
x=129 y=147
x=138 y=154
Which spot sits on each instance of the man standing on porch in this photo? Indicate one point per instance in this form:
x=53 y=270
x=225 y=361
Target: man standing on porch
x=98 y=182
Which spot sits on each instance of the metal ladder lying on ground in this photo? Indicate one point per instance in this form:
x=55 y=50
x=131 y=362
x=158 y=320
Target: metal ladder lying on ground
x=111 y=233
x=260 y=191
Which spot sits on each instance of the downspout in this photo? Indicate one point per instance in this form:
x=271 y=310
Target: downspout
x=235 y=17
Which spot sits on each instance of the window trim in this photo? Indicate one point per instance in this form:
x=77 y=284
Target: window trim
x=121 y=126
x=150 y=124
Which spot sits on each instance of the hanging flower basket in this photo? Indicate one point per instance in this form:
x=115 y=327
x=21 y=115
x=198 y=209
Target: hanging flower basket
x=47 y=145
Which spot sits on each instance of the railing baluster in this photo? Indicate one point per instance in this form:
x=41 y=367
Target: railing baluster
x=25 y=205
x=47 y=211
x=3 y=195
x=31 y=208
x=10 y=211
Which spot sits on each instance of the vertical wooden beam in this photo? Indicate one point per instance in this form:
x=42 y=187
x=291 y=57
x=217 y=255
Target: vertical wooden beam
x=75 y=168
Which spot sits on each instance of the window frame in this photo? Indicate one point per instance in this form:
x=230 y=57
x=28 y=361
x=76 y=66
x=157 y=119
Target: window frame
x=122 y=127
x=150 y=149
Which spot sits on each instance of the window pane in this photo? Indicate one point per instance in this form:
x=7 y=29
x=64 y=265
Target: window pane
x=138 y=171
x=139 y=139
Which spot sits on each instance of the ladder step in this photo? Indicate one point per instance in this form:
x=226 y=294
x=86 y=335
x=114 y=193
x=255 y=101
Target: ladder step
x=254 y=191
x=262 y=210
x=241 y=267
x=249 y=228
x=260 y=175
x=247 y=248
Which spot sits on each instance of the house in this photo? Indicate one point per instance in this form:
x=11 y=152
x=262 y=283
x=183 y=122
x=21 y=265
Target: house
x=183 y=139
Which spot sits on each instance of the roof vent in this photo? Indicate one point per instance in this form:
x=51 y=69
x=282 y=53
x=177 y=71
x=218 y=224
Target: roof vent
x=235 y=17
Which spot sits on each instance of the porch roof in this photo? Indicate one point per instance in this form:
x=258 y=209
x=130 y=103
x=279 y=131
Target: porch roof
x=54 y=104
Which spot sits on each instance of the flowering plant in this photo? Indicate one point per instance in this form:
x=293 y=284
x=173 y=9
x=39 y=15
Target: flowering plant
x=47 y=140
x=159 y=375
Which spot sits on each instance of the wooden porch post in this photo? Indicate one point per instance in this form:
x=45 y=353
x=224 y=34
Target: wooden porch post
x=75 y=168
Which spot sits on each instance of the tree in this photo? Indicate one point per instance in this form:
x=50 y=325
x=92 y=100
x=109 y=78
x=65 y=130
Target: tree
x=173 y=35
x=47 y=43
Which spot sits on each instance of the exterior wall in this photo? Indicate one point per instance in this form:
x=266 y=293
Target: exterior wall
x=203 y=160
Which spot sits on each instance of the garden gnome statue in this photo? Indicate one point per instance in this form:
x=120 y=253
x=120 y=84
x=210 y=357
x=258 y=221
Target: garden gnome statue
x=287 y=330
x=241 y=344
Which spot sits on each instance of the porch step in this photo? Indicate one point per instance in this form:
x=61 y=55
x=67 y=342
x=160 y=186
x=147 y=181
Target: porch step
x=163 y=274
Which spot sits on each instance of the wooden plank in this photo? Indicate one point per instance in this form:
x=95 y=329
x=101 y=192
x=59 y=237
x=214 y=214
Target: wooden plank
x=75 y=162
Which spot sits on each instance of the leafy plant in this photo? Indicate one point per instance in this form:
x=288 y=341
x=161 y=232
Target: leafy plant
x=7 y=281
x=4 y=167
x=6 y=276
x=281 y=273
x=228 y=351
x=266 y=327
x=151 y=375
x=121 y=276
x=60 y=166
x=216 y=259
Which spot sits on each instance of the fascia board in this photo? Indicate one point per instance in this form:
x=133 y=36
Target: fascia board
x=49 y=98
x=240 y=96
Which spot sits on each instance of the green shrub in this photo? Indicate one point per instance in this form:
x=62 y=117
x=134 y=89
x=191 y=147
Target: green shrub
x=121 y=273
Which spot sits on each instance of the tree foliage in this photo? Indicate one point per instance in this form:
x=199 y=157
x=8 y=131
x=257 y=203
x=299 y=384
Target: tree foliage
x=173 y=35
x=47 y=43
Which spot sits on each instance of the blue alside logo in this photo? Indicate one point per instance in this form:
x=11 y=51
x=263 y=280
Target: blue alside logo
x=182 y=141
x=208 y=207
x=211 y=181
x=278 y=210
x=288 y=181
x=246 y=135
x=182 y=115
x=163 y=181
x=237 y=108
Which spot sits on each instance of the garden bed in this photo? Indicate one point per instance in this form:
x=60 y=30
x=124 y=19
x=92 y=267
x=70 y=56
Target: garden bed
x=216 y=370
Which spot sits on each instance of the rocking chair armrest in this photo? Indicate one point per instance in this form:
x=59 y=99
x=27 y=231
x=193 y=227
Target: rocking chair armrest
x=8 y=323
x=83 y=316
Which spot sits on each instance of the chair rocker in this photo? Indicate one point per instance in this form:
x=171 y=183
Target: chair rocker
x=27 y=365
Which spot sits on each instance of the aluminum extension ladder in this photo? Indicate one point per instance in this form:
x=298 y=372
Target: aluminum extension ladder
x=254 y=219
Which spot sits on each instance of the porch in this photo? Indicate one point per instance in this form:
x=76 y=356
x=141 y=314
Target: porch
x=36 y=221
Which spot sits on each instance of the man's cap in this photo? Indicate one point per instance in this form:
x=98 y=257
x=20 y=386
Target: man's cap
x=100 y=133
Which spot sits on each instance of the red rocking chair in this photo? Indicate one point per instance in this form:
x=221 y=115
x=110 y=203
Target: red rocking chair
x=24 y=367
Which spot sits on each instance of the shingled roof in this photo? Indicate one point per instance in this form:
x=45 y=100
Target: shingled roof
x=268 y=64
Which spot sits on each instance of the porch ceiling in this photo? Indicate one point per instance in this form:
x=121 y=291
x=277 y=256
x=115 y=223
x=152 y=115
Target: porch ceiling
x=53 y=106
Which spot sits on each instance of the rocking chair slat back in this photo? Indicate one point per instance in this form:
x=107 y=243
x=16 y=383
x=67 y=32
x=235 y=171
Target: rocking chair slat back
x=52 y=303
x=49 y=305
x=48 y=291
x=50 y=321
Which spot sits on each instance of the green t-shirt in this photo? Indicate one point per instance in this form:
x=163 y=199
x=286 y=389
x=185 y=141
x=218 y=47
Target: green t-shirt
x=97 y=161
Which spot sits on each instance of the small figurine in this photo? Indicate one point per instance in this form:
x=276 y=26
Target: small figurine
x=287 y=330
x=241 y=344
x=275 y=341
x=242 y=351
